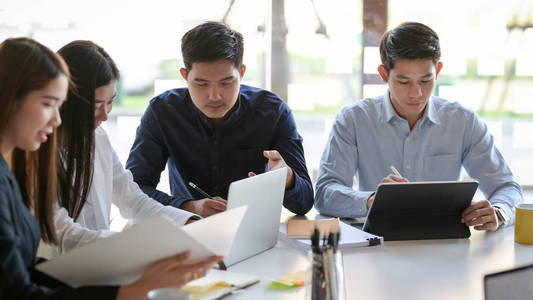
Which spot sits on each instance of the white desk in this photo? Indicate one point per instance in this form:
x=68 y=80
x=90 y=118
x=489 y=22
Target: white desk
x=430 y=269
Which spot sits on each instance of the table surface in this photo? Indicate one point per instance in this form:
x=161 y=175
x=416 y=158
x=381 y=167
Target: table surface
x=425 y=269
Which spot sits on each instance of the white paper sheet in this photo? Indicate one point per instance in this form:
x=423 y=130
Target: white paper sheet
x=218 y=277
x=123 y=258
x=351 y=237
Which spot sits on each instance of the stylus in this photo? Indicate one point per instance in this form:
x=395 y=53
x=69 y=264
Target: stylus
x=395 y=171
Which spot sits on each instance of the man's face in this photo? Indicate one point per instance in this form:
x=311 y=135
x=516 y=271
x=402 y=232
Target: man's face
x=411 y=83
x=214 y=87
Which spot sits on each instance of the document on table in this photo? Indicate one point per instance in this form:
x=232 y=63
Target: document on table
x=351 y=237
x=217 y=284
x=124 y=257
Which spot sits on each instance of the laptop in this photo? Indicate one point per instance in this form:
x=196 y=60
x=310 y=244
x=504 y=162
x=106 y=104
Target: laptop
x=260 y=225
x=513 y=284
x=420 y=210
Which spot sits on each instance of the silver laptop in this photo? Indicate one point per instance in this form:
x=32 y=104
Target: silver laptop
x=513 y=284
x=259 y=228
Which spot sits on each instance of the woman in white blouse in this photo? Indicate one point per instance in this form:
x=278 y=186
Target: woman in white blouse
x=92 y=177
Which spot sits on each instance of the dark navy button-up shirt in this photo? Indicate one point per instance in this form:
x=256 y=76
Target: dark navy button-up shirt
x=174 y=132
x=19 y=239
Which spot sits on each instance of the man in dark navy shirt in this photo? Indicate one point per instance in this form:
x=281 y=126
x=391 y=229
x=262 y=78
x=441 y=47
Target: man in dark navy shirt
x=217 y=131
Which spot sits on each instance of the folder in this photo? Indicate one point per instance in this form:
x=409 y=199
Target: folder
x=124 y=257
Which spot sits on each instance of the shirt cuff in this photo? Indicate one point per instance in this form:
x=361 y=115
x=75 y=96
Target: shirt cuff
x=508 y=210
x=179 y=215
x=361 y=199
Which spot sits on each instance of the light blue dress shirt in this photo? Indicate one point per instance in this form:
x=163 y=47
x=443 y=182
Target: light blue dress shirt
x=369 y=136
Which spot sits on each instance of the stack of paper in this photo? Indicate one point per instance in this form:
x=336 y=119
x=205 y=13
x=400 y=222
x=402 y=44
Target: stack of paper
x=351 y=237
x=124 y=257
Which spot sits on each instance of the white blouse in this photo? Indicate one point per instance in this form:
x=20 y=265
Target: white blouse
x=111 y=184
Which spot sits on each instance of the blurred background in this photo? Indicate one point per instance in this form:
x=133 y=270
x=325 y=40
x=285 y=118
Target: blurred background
x=318 y=55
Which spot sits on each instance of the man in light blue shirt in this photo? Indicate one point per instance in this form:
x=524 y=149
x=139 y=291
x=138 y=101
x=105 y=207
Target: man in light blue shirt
x=425 y=137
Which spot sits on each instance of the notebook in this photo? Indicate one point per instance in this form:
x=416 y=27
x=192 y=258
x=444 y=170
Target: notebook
x=351 y=237
x=303 y=229
x=218 y=283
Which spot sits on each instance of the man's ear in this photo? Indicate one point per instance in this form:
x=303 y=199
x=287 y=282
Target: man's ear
x=183 y=73
x=439 y=67
x=383 y=73
x=242 y=70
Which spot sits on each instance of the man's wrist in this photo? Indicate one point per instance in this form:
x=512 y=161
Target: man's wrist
x=368 y=201
x=291 y=180
x=187 y=205
x=500 y=214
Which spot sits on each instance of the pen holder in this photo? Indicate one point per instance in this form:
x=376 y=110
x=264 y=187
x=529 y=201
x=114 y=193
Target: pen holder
x=325 y=276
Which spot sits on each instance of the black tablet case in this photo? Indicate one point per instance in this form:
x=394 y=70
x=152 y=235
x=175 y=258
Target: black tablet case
x=415 y=211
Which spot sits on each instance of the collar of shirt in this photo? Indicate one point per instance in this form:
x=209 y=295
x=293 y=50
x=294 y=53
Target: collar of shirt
x=3 y=164
x=388 y=112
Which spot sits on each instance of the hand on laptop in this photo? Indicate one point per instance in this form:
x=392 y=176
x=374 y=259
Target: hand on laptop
x=205 y=207
x=481 y=215
x=275 y=161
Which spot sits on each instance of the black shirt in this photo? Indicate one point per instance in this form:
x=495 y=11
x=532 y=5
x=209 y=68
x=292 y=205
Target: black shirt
x=173 y=130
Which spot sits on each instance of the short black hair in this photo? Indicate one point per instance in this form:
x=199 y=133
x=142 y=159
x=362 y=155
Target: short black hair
x=409 y=40
x=212 y=41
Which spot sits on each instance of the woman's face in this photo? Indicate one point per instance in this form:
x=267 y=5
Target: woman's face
x=104 y=97
x=36 y=118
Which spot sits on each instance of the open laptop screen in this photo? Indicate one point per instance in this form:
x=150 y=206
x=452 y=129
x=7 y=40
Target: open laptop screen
x=511 y=284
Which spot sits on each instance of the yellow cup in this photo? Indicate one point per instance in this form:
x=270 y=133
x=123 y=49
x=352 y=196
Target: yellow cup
x=523 y=228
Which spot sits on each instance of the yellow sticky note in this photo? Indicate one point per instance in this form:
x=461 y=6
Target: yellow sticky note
x=291 y=280
x=208 y=288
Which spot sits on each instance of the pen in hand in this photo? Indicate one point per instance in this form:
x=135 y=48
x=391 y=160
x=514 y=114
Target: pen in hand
x=395 y=171
x=397 y=174
x=199 y=190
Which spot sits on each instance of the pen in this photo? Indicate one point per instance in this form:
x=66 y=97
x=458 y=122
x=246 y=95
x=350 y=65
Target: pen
x=199 y=190
x=395 y=171
x=234 y=289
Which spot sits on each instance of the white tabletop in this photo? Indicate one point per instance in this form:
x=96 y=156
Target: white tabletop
x=427 y=269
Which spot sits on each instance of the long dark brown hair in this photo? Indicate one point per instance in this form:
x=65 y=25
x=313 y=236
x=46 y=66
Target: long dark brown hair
x=90 y=67
x=26 y=66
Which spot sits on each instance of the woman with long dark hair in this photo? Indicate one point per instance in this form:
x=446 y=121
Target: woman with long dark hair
x=91 y=176
x=33 y=86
